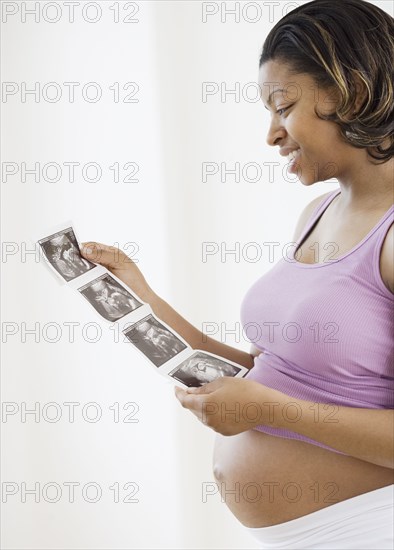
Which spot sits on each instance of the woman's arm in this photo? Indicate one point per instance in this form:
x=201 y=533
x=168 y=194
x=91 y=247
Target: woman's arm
x=126 y=270
x=231 y=406
x=367 y=434
x=194 y=337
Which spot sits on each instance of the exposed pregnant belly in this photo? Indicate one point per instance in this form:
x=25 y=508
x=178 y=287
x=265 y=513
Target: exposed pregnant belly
x=266 y=480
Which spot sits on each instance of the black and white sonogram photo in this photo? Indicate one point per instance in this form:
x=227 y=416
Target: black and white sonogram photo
x=154 y=340
x=62 y=251
x=201 y=368
x=109 y=298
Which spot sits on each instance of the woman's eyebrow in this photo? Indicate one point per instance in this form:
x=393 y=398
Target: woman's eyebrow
x=271 y=94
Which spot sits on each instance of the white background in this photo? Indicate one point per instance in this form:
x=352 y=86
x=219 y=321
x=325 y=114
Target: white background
x=170 y=51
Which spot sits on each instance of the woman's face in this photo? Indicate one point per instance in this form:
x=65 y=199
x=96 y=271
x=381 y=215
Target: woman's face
x=321 y=152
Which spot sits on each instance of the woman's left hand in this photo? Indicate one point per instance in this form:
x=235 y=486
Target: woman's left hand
x=229 y=405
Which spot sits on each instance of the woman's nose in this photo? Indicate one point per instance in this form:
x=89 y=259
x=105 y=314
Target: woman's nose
x=275 y=132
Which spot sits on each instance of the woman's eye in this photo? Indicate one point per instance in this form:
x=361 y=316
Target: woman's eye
x=281 y=111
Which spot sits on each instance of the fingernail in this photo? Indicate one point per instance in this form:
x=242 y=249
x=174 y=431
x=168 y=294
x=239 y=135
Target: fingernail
x=88 y=250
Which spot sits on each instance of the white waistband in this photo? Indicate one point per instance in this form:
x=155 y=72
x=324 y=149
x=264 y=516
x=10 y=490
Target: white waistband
x=353 y=523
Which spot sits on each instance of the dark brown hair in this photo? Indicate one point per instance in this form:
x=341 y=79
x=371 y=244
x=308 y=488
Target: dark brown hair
x=333 y=41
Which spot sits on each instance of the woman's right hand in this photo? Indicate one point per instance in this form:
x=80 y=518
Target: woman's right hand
x=118 y=263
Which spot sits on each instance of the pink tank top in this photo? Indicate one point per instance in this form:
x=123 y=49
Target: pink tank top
x=326 y=329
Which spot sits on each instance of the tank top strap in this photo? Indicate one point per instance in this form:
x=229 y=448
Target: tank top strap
x=316 y=214
x=381 y=228
x=373 y=248
x=370 y=246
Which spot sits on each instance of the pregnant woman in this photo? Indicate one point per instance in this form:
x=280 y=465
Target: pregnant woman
x=304 y=450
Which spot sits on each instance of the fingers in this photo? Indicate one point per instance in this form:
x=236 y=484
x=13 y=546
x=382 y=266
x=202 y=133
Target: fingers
x=204 y=410
x=187 y=400
x=209 y=387
x=197 y=390
x=99 y=253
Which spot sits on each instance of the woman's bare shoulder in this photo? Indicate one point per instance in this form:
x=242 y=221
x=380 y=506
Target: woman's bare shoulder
x=306 y=213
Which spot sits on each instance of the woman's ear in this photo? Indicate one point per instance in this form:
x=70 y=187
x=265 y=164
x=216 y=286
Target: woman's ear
x=361 y=88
